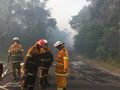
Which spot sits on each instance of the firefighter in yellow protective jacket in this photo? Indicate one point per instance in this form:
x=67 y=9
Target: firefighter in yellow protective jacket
x=45 y=63
x=32 y=62
x=61 y=67
x=15 y=56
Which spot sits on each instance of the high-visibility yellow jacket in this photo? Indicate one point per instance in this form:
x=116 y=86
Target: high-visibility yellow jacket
x=15 y=49
x=62 y=63
x=16 y=52
x=46 y=57
x=32 y=57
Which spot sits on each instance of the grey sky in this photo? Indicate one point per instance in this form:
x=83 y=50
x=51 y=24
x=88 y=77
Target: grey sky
x=62 y=10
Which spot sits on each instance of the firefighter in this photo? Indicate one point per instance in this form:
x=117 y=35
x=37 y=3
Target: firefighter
x=15 y=56
x=32 y=61
x=46 y=61
x=61 y=67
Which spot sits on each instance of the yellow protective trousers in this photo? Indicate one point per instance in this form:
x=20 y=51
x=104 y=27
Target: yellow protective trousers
x=61 y=81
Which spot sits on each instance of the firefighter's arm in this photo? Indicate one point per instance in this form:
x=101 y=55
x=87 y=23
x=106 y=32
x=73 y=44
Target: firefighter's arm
x=9 y=54
x=66 y=61
x=22 y=51
x=51 y=56
x=65 y=64
x=26 y=60
x=28 y=56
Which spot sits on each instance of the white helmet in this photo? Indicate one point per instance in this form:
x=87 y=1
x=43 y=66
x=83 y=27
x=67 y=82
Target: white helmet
x=58 y=43
x=15 y=38
x=45 y=41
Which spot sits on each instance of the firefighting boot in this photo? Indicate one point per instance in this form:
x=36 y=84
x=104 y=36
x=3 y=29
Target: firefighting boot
x=42 y=83
x=30 y=87
x=46 y=81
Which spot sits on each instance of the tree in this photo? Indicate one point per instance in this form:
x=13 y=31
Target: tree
x=98 y=29
x=27 y=19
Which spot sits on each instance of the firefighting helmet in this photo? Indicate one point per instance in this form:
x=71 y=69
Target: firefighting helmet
x=15 y=39
x=45 y=41
x=41 y=42
x=58 y=43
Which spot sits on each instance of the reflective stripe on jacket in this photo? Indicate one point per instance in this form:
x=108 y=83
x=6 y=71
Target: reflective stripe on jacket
x=16 y=52
x=62 y=62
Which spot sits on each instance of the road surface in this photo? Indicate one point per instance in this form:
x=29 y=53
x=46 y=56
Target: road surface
x=82 y=77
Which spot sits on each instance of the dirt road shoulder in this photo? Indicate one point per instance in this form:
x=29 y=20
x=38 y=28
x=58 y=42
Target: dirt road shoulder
x=101 y=65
